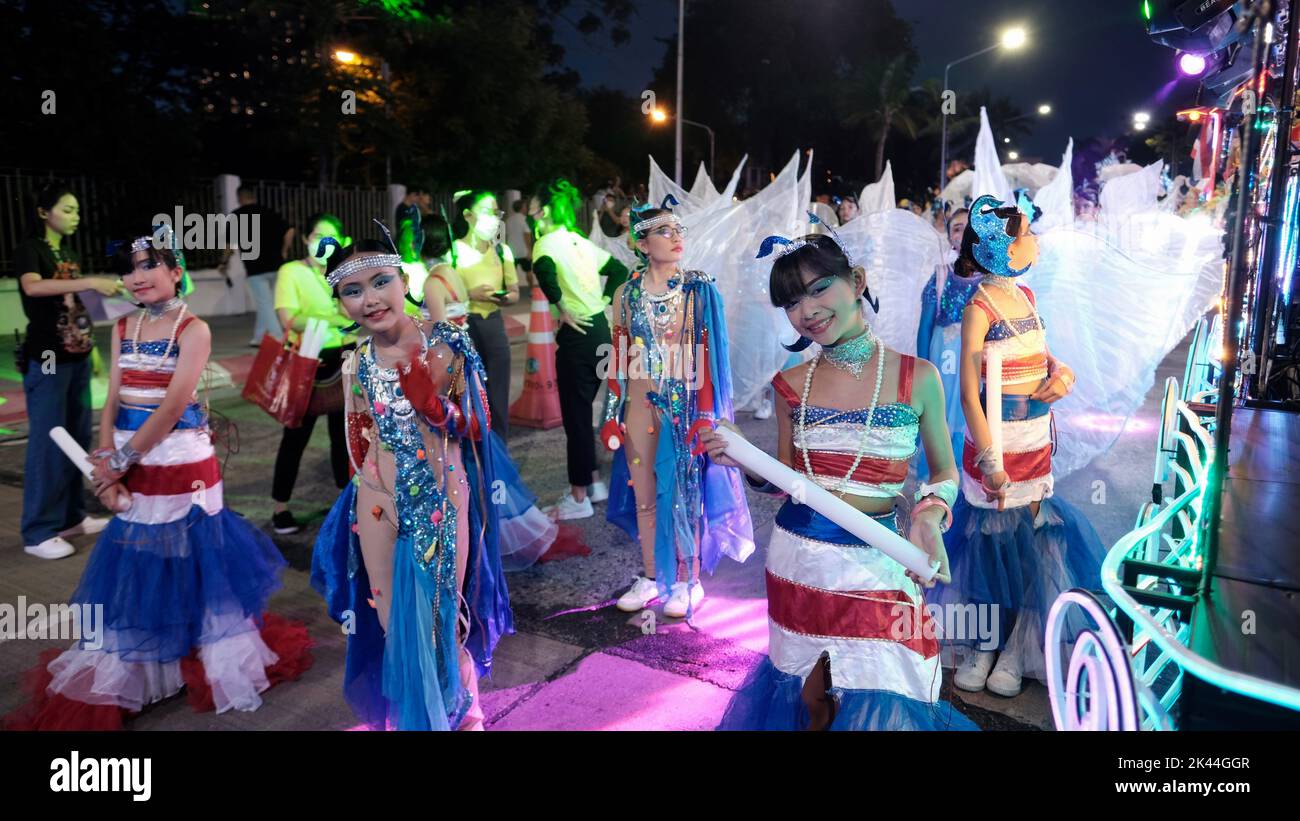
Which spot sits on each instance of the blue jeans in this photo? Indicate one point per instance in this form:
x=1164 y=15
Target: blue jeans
x=52 y=486
x=262 y=287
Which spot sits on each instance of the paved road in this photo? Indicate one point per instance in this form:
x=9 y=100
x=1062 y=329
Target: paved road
x=591 y=666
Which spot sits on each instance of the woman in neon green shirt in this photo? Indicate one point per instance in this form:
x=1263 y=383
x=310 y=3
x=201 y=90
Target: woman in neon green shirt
x=301 y=293
x=487 y=270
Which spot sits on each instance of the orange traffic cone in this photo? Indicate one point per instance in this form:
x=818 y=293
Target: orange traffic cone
x=539 y=405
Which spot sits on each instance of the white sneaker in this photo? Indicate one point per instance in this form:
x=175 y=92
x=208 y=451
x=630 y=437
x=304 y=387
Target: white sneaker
x=765 y=406
x=1005 y=678
x=676 y=606
x=88 y=526
x=569 y=508
x=973 y=673
x=641 y=594
x=55 y=548
x=597 y=491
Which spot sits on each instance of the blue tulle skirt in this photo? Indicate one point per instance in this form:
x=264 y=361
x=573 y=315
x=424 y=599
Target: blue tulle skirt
x=771 y=700
x=1021 y=564
x=168 y=588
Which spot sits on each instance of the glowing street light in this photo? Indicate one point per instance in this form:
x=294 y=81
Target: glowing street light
x=1013 y=155
x=1141 y=117
x=1011 y=39
x=1139 y=126
x=1006 y=139
x=1044 y=109
x=346 y=57
x=658 y=115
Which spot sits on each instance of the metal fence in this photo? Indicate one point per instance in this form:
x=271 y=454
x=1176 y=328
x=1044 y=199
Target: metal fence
x=111 y=208
x=355 y=205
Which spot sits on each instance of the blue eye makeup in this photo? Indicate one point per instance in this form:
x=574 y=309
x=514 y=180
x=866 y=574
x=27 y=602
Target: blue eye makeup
x=350 y=291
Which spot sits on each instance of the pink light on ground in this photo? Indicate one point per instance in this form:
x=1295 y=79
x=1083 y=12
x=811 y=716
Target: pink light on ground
x=1191 y=64
x=741 y=621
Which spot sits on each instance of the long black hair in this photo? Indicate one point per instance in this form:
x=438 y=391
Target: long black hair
x=45 y=198
x=820 y=256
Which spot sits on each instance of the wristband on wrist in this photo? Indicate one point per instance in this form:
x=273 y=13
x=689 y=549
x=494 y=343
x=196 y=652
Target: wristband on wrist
x=945 y=490
x=988 y=462
x=935 y=501
x=120 y=460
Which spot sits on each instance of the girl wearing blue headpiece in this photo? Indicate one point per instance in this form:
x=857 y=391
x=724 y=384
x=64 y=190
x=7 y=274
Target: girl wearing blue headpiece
x=938 y=337
x=1015 y=547
x=851 y=646
x=670 y=377
x=408 y=558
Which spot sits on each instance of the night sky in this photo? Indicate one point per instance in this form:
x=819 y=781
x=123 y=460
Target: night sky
x=1090 y=59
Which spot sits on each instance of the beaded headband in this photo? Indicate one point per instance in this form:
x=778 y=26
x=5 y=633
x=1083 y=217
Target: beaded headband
x=655 y=222
x=361 y=262
x=789 y=246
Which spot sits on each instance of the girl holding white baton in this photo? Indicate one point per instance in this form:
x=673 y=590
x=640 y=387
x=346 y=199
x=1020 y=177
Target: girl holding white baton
x=834 y=601
x=1015 y=547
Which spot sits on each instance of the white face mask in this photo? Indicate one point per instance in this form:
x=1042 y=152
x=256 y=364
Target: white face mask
x=485 y=227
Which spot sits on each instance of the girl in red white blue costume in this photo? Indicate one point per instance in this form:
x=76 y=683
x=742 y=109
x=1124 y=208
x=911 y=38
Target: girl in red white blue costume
x=183 y=581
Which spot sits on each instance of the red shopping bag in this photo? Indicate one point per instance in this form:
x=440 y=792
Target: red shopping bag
x=280 y=381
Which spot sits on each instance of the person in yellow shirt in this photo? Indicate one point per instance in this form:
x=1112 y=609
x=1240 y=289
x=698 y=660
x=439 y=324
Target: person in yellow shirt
x=301 y=293
x=486 y=267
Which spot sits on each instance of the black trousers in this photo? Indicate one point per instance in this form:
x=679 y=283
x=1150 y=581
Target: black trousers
x=576 y=358
x=293 y=442
x=489 y=338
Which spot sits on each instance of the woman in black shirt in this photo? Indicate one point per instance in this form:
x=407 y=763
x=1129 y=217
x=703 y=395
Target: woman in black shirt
x=55 y=356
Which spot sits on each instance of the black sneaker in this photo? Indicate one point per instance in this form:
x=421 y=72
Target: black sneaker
x=284 y=523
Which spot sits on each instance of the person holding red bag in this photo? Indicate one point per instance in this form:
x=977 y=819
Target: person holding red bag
x=302 y=294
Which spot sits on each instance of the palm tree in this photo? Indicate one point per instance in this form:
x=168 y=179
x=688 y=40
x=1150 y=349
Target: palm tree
x=891 y=104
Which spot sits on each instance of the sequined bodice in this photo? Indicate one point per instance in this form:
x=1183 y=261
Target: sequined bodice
x=421 y=502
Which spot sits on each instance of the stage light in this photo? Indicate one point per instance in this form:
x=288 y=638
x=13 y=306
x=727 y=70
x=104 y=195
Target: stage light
x=1191 y=64
x=1139 y=126
x=1044 y=109
x=1013 y=38
x=1013 y=155
x=347 y=57
x=1141 y=117
x=1006 y=139
x=1146 y=9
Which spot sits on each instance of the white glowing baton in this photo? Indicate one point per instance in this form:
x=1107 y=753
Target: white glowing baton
x=837 y=510
x=72 y=450
x=77 y=455
x=993 y=399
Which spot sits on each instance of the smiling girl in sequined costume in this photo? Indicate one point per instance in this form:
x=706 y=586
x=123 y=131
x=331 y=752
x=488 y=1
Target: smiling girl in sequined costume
x=1015 y=547
x=669 y=377
x=835 y=603
x=408 y=557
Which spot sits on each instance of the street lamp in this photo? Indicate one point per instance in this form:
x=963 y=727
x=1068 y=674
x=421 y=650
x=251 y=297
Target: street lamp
x=345 y=56
x=1044 y=109
x=1012 y=39
x=658 y=115
x=1013 y=155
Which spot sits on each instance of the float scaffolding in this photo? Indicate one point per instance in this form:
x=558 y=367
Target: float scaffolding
x=1198 y=626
